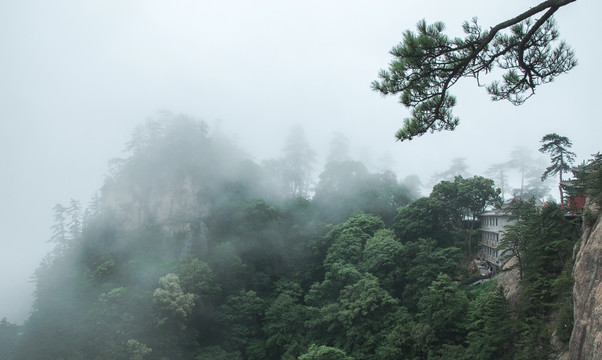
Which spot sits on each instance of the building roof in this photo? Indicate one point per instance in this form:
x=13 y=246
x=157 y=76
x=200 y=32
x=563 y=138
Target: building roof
x=495 y=212
x=503 y=211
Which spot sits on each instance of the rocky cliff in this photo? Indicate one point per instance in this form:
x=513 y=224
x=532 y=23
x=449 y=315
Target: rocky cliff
x=510 y=280
x=586 y=339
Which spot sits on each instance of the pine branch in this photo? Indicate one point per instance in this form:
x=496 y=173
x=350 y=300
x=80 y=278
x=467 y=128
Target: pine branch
x=428 y=64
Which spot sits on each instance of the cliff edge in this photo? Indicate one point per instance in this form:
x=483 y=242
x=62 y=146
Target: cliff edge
x=586 y=339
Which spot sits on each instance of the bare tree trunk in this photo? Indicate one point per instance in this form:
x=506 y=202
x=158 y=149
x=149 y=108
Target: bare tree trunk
x=560 y=190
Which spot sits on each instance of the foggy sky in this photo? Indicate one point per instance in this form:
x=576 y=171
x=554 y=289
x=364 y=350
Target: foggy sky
x=76 y=78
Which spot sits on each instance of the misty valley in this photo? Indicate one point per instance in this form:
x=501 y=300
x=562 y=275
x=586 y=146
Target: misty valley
x=192 y=250
x=370 y=180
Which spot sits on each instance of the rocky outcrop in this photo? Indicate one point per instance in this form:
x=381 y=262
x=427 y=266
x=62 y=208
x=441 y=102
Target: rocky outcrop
x=170 y=205
x=586 y=339
x=509 y=279
x=175 y=207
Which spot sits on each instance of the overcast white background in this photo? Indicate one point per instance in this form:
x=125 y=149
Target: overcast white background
x=76 y=77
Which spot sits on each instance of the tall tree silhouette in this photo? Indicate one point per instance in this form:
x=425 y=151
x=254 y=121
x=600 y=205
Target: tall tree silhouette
x=562 y=158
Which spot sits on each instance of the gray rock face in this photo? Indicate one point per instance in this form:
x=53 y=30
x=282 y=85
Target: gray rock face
x=176 y=208
x=586 y=340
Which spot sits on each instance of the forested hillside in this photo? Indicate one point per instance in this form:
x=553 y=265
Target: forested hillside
x=191 y=250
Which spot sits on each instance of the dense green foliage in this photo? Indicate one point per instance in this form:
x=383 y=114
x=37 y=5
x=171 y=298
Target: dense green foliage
x=462 y=200
x=588 y=179
x=188 y=254
x=8 y=339
x=542 y=240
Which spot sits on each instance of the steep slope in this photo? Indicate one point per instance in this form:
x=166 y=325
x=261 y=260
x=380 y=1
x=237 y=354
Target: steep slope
x=586 y=340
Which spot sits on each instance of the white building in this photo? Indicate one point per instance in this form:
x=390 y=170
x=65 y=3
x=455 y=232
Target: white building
x=492 y=232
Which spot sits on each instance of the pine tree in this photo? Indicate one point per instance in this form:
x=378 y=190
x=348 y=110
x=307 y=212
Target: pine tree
x=60 y=235
x=428 y=63
x=75 y=219
x=562 y=158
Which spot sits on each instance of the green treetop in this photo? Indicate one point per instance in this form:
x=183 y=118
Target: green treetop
x=562 y=158
x=463 y=199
